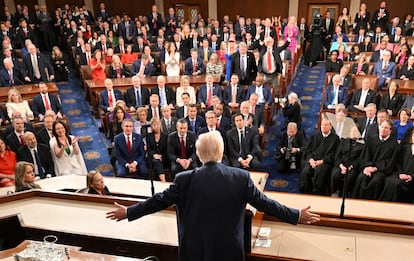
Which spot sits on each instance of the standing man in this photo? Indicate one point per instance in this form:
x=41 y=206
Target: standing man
x=154 y=21
x=45 y=102
x=244 y=65
x=37 y=67
x=213 y=232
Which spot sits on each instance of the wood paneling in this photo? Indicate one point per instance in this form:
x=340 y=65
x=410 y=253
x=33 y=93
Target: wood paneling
x=396 y=8
x=202 y=3
x=264 y=8
x=303 y=6
x=52 y=5
x=133 y=8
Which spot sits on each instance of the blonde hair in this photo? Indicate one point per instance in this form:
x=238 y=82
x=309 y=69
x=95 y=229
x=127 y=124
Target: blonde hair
x=294 y=96
x=9 y=94
x=210 y=147
x=19 y=171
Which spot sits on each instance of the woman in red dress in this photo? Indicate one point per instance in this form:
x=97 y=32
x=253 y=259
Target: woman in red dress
x=98 y=66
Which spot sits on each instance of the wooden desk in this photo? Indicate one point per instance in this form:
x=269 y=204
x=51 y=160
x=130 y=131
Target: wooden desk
x=93 y=88
x=27 y=91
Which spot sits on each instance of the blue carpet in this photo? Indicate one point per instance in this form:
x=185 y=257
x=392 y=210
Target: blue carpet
x=308 y=84
x=84 y=125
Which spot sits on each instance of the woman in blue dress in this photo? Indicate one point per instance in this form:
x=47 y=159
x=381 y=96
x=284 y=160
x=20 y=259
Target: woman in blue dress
x=231 y=49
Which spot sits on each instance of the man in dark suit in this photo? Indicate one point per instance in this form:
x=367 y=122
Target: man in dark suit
x=369 y=122
x=193 y=65
x=10 y=76
x=223 y=123
x=45 y=133
x=129 y=151
x=207 y=91
x=267 y=31
x=136 y=96
x=335 y=93
x=182 y=111
x=24 y=32
x=102 y=14
x=45 y=102
x=195 y=39
x=380 y=17
x=195 y=121
x=38 y=154
x=154 y=20
x=86 y=56
x=290 y=148
x=378 y=54
x=103 y=44
x=251 y=43
x=319 y=158
x=109 y=96
x=46 y=29
x=181 y=148
x=37 y=67
x=244 y=65
x=159 y=47
x=271 y=67
x=262 y=90
x=168 y=122
x=204 y=51
x=171 y=23
x=121 y=47
x=214 y=43
x=242 y=143
x=362 y=97
x=166 y=94
x=154 y=108
x=16 y=138
x=386 y=70
x=216 y=234
x=233 y=93
x=327 y=30
x=127 y=29
x=142 y=67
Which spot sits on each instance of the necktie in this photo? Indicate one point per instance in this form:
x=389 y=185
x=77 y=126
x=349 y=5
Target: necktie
x=252 y=109
x=335 y=96
x=360 y=39
x=182 y=146
x=36 y=70
x=168 y=124
x=205 y=55
x=39 y=165
x=269 y=60
x=243 y=68
x=11 y=77
x=385 y=67
x=209 y=94
x=21 y=140
x=267 y=33
x=46 y=100
x=155 y=113
x=104 y=48
x=122 y=49
x=218 y=123
x=393 y=30
x=194 y=66
x=110 y=99
x=233 y=94
x=162 y=97
x=118 y=73
x=213 y=45
x=127 y=29
x=129 y=144
x=328 y=22
x=242 y=142
x=88 y=57
x=141 y=69
x=138 y=97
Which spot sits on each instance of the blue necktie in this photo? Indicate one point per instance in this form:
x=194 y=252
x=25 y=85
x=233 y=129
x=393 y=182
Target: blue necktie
x=162 y=97
x=193 y=126
x=138 y=97
x=335 y=95
x=39 y=165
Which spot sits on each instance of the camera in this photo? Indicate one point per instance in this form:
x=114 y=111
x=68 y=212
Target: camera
x=280 y=100
x=291 y=158
x=317 y=19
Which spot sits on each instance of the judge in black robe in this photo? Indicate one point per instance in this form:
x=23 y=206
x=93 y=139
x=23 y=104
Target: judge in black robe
x=378 y=162
x=399 y=186
x=318 y=160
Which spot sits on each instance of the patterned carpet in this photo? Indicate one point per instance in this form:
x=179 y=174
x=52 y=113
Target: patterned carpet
x=84 y=125
x=308 y=84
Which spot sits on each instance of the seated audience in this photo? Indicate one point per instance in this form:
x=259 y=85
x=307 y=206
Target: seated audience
x=223 y=122
x=214 y=66
x=193 y=65
x=154 y=59
x=97 y=65
x=154 y=108
x=334 y=64
x=347 y=161
x=407 y=70
x=185 y=88
x=166 y=94
x=115 y=127
x=319 y=159
x=335 y=93
x=65 y=151
x=234 y=93
x=377 y=162
x=136 y=96
x=142 y=67
x=95 y=184
x=157 y=150
x=10 y=75
x=402 y=57
x=362 y=97
x=355 y=53
x=142 y=123
x=108 y=56
x=168 y=122
x=15 y=137
x=181 y=148
x=366 y=46
x=109 y=96
x=399 y=185
x=392 y=100
x=361 y=67
x=38 y=154
x=24 y=176
x=369 y=121
x=7 y=164
x=195 y=121
x=385 y=70
x=37 y=67
x=129 y=152
x=44 y=102
x=264 y=92
x=207 y=91
x=15 y=103
x=242 y=143
x=290 y=148
x=46 y=132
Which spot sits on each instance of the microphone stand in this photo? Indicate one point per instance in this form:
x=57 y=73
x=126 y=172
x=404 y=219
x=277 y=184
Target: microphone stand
x=345 y=186
x=150 y=171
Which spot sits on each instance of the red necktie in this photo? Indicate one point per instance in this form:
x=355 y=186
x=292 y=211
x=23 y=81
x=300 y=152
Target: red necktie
x=47 y=105
x=182 y=145
x=129 y=145
x=210 y=91
x=21 y=140
x=88 y=57
x=104 y=48
x=218 y=123
x=252 y=110
x=155 y=114
x=269 y=61
x=111 y=101
x=194 y=66
x=122 y=49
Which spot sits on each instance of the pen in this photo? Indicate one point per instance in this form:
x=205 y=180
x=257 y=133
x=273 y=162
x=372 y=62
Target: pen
x=260 y=181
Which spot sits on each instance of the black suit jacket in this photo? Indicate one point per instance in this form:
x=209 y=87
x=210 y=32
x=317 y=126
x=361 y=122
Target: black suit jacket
x=173 y=126
x=251 y=68
x=200 y=122
x=43 y=136
x=13 y=141
x=365 y=68
x=371 y=98
x=233 y=144
x=221 y=222
x=298 y=141
x=38 y=106
x=225 y=124
x=18 y=78
x=174 y=147
x=169 y=94
x=43 y=64
x=130 y=97
x=407 y=73
x=393 y=104
x=276 y=55
x=21 y=36
x=24 y=154
x=99 y=45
